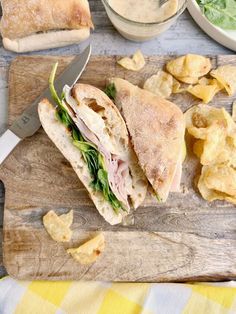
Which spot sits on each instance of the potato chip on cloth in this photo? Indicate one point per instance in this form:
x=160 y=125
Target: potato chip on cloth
x=189 y=68
x=57 y=229
x=88 y=252
x=226 y=75
x=136 y=63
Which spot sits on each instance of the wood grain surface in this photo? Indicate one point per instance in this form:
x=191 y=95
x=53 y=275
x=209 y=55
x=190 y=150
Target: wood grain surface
x=184 y=239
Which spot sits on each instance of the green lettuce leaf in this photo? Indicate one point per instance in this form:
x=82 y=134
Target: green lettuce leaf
x=221 y=13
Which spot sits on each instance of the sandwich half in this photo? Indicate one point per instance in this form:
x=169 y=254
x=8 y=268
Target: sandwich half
x=157 y=129
x=41 y=24
x=90 y=132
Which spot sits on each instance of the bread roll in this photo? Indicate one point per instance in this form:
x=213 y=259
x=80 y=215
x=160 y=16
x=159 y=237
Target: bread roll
x=28 y=25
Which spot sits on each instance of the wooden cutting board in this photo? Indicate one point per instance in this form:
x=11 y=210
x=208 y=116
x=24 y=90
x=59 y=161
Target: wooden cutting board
x=184 y=239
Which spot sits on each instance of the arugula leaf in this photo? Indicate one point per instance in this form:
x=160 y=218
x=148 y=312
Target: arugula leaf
x=110 y=90
x=64 y=117
x=91 y=155
x=51 y=85
x=108 y=195
x=158 y=198
x=221 y=13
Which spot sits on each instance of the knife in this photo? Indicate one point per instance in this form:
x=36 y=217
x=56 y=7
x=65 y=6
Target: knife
x=28 y=123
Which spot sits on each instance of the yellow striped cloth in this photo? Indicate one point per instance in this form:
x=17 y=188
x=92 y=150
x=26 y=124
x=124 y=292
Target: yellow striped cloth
x=70 y=297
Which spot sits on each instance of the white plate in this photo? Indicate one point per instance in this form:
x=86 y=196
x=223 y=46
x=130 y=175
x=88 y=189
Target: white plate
x=225 y=38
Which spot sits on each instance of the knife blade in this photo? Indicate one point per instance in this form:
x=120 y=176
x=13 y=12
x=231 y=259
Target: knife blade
x=28 y=122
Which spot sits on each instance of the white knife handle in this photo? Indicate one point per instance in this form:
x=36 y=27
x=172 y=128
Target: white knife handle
x=8 y=142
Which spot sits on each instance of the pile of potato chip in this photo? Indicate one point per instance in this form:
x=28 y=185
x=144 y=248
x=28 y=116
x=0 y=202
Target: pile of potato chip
x=58 y=227
x=190 y=69
x=214 y=133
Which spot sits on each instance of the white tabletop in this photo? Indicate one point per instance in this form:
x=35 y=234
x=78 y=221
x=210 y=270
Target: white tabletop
x=183 y=37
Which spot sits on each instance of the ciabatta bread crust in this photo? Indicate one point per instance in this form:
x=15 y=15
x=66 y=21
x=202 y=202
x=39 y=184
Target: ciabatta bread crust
x=47 y=40
x=21 y=18
x=157 y=129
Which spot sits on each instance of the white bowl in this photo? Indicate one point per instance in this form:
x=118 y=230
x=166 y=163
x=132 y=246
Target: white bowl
x=225 y=38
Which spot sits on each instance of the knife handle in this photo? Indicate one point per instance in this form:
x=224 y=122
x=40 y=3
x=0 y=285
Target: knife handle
x=8 y=142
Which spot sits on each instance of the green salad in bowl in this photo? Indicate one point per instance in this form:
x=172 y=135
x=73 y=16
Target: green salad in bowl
x=221 y=13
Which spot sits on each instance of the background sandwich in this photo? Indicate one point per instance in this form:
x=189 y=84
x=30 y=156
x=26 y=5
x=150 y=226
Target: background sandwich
x=90 y=132
x=157 y=129
x=42 y=24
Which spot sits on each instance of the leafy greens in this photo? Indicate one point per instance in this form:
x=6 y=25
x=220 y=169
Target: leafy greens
x=90 y=154
x=221 y=13
x=110 y=90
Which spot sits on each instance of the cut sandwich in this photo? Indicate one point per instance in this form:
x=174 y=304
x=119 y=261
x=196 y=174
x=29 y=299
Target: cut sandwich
x=157 y=128
x=89 y=131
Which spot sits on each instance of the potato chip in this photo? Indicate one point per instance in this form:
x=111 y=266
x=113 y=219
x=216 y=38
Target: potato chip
x=228 y=152
x=226 y=75
x=208 y=81
x=214 y=182
x=198 y=148
x=176 y=87
x=234 y=111
x=204 y=91
x=67 y=218
x=135 y=64
x=88 y=252
x=208 y=194
x=216 y=130
x=221 y=177
x=204 y=81
x=56 y=228
x=213 y=142
x=213 y=145
x=195 y=117
x=188 y=79
x=189 y=68
x=202 y=116
x=160 y=84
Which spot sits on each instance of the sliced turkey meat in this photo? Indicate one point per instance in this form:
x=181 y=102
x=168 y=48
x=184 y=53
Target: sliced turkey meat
x=119 y=177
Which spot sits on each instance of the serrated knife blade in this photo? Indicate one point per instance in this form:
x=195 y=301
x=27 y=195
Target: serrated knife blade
x=28 y=122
